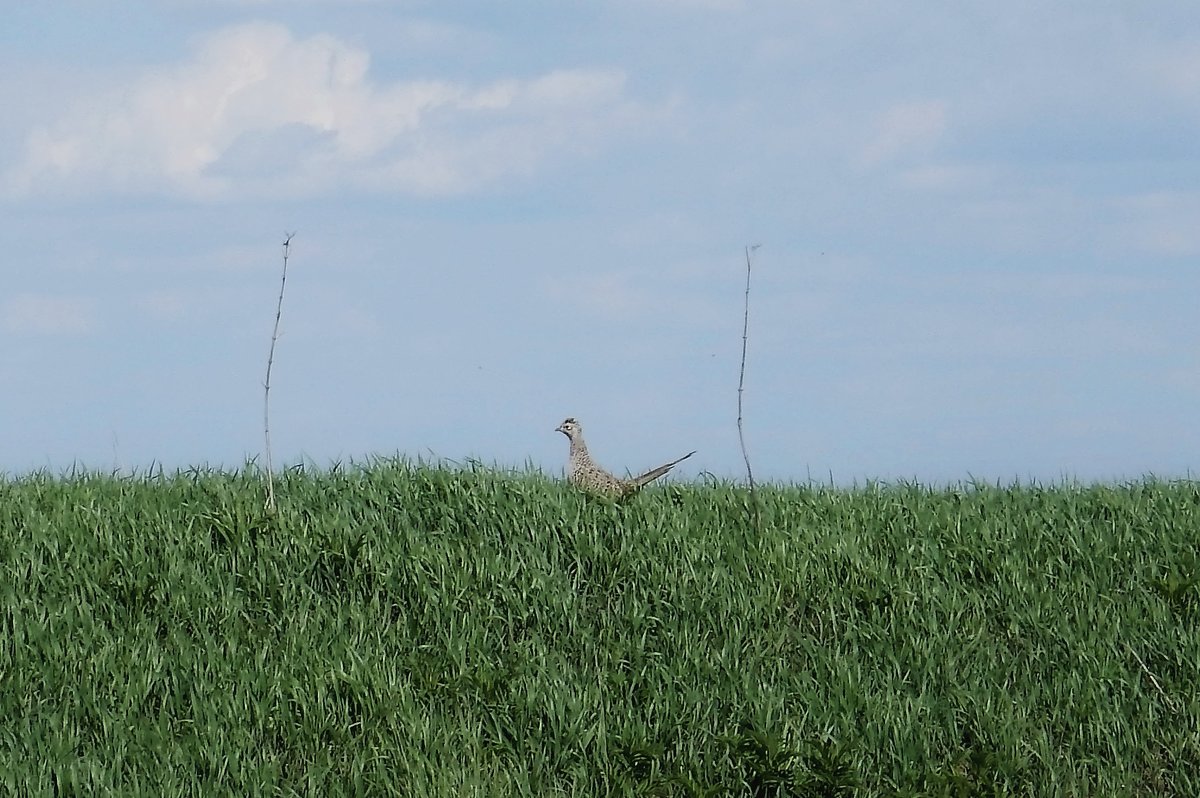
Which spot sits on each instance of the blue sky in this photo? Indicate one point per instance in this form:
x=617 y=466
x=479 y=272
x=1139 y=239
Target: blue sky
x=979 y=230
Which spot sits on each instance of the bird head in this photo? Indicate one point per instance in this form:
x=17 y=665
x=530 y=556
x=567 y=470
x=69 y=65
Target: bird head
x=570 y=428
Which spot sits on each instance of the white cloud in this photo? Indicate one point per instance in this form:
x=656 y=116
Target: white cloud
x=609 y=295
x=253 y=3
x=1160 y=224
x=711 y=5
x=257 y=110
x=947 y=177
x=905 y=128
x=161 y=306
x=46 y=314
x=1175 y=67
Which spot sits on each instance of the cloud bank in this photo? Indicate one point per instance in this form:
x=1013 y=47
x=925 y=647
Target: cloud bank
x=256 y=110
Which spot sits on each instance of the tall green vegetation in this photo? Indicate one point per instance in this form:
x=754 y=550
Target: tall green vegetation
x=399 y=629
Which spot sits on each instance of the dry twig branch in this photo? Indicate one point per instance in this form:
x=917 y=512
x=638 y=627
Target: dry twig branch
x=742 y=382
x=287 y=243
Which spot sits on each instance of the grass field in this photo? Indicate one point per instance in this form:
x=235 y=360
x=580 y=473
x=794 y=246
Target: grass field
x=399 y=629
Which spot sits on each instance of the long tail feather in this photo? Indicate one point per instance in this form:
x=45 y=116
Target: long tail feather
x=655 y=473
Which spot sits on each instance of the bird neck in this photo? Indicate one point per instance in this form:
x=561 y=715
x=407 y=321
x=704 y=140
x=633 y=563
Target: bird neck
x=578 y=447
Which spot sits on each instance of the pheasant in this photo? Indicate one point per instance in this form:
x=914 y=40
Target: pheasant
x=583 y=473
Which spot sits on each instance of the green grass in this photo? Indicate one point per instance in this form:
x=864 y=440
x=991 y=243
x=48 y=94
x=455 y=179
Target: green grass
x=398 y=629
